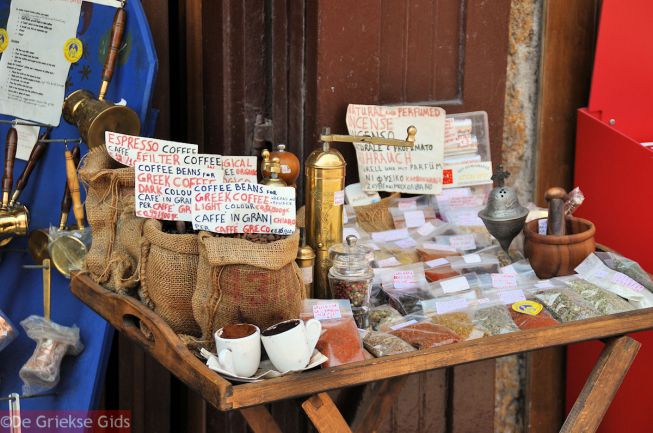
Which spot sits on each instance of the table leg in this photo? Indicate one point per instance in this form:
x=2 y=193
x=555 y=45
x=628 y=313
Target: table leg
x=259 y=420
x=373 y=411
x=601 y=386
x=324 y=414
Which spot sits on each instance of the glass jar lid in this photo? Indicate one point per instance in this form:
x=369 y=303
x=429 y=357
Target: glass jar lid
x=349 y=258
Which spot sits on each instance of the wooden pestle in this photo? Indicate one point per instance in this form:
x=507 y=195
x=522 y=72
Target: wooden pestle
x=35 y=155
x=113 y=51
x=8 y=176
x=556 y=224
x=73 y=187
x=66 y=201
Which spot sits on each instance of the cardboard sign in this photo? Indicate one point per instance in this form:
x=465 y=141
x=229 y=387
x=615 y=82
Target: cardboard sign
x=130 y=150
x=416 y=170
x=164 y=191
x=239 y=169
x=244 y=208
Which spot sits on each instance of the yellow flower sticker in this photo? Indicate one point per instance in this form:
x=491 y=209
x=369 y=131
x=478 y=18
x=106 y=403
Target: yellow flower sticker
x=73 y=50
x=531 y=308
x=4 y=40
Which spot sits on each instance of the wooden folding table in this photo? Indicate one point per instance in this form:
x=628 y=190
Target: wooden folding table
x=126 y=314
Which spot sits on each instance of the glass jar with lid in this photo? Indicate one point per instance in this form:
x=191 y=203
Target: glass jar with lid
x=350 y=277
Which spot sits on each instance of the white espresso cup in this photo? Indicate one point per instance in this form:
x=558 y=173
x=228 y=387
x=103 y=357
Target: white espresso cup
x=239 y=349
x=290 y=344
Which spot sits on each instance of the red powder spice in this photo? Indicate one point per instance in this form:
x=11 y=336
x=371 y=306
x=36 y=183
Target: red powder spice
x=426 y=335
x=441 y=273
x=526 y=321
x=340 y=342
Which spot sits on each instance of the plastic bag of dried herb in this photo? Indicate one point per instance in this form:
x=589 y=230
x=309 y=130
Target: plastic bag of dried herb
x=493 y=319
x=602 y=300
x=382 y=344
x=626 y=266
x=567 y=305
x=381 y=315
x=459 y=322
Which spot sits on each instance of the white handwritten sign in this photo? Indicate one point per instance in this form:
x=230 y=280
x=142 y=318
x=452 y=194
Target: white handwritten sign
x=239 y=169
x=244 y=208
x=164 y=192
x=326 y=311
x=130 y=150
x=416 y=170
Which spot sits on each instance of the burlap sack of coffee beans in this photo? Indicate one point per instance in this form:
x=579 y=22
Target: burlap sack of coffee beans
x=239 y=281
x=115 y=250
x=168 y=276
x=376 y=217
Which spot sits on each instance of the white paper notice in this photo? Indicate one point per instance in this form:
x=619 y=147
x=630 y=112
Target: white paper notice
x=244 y=208
x=326 y=311
x=164 y=192
x=33 y=68
x=416 y=170
x=130 y=150
x=27 y=137
x=239 y=169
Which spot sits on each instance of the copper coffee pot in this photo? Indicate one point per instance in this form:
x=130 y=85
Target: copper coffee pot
x=93 y=117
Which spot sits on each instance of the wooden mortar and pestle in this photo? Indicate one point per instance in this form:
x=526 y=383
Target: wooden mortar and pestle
x=567 y=242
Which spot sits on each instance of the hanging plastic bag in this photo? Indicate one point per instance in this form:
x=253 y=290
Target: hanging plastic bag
x=8 y=332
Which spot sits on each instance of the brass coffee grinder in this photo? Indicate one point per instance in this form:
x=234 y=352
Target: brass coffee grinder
x=325 y=184
x=273 y=169
x=93 y=117
x=504 y=216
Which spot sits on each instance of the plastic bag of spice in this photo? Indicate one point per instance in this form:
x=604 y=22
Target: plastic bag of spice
x=339 y=341
x=407 y=301
x=619 y=263
x=463 y=243
x=453 y=312
x=533 y=317
x=381 y=344
x=403 y=277
x=412 y=218
x=439 y=269
x=429 y=251
x=424 y=334
x=382 y=315
x=566 y=305
x=493 y=319
x=602 y=300
x=404 y=250
x=479 y=263
x=592 y=269
x=8 y=331
x=453 y=285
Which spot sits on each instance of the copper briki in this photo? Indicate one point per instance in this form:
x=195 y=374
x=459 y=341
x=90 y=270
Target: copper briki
x=93 y=117
x=13 y=221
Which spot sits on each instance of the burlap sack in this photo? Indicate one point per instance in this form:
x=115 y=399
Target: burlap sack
x=115 y=251
x=240 y=281
x=376 y=217
x=169 y=275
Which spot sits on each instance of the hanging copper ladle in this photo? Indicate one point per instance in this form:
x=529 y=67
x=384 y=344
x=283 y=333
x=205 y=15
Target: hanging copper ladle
x=93 y=117
x=38 y=241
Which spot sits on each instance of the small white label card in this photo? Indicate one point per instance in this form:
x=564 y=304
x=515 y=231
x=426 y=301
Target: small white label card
x=403 y=325
x=414 y=218
x=388 y=263
x=339 y=198
x=130 y=150
x=444 y=307
x=510 y=269
x=39 y=45
x=415 y=170
x=438 y=247
x=472 y=258
x=437 y=263
x=463 y=242
x=390 y=235
x=542 y=226
x=27 y=137
x=426 y=229
x=405 y=280
x=406 y=243
x=626 y=281
x=504 y=281
x=511 y=296
x=454 y=285
x=164 y=191
x=326 y=311
x=244 y=208
x=239 y=169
